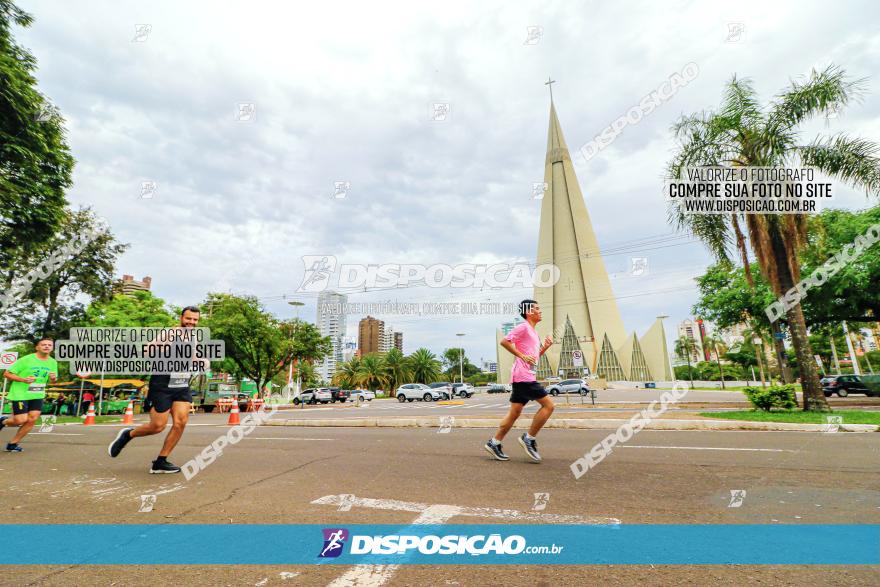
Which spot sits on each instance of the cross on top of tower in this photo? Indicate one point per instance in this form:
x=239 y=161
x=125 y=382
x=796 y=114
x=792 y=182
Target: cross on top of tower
x=549 y=83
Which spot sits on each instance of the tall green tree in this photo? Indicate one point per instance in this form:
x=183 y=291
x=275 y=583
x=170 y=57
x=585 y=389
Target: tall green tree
x=79 y=260
x=726 y=298
x=684 y=348
x=140 y=309
x=308 y=374
x=258 y=345
x=35 y=161
x=743 y=133
x=451 y=358
x=424 y=366
x=715 y=344
x=850 y=294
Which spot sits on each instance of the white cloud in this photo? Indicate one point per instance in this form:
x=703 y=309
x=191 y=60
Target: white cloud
x=343 y=93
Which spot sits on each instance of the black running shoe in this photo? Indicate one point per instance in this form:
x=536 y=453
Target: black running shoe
x=164 y=467
x=119 y=442
x=3 y=421
x=13 y=447
x=531 y=448
x=495 y=451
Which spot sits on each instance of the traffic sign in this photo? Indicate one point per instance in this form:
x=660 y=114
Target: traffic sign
x=577 y=358
x=7 y=359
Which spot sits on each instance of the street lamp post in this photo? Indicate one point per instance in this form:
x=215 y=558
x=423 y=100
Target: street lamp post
x=296 y=304
x=460 y=361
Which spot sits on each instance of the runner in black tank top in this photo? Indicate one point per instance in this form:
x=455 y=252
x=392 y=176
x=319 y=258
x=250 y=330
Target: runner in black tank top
x=167 y=394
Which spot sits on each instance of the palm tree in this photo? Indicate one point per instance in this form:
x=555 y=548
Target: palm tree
x=742 y=133
x=396 y=368
x=750 y=335
x=308 y=375
x=684 y=346
x=347 y=372
x=424 y=366
x=714 y=341
x=371 y=372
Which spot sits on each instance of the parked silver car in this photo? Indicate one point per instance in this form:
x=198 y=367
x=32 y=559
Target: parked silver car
x=314 y=396
x=578 y=386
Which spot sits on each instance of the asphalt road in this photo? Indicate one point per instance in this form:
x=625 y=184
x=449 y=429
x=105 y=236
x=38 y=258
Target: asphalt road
x=291 y=475
x=496 y=404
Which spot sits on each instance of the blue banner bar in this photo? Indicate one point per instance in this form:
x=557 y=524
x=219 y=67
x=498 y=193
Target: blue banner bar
x=176 y=544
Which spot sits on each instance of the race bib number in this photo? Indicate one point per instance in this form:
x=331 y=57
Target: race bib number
x=178 y=380
x=36 y=388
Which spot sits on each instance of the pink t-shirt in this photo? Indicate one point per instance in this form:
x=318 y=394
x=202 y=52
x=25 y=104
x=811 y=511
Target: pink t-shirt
x=525 y=340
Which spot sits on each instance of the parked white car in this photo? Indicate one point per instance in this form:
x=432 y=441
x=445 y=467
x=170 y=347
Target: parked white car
x=463 y=390
x=416 y=391
x=362 y=394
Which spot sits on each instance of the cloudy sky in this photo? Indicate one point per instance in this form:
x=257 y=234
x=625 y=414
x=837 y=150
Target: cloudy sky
x=344 y=92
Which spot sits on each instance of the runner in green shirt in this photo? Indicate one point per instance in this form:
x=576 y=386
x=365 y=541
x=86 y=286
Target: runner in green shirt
x=29 y=376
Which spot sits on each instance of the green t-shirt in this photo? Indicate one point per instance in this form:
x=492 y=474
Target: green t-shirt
x=27 y=366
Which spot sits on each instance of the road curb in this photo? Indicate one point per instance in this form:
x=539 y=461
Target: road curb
x=568 y=423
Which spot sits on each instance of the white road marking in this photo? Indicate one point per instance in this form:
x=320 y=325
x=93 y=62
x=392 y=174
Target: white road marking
x=283 y=438
x=707 y=448
x=58 y=433
x=406 y=506
x=377 y=575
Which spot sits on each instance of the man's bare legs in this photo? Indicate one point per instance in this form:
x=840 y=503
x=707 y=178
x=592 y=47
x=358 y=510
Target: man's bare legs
x=158 y=420
x=540 y=418
x=25 y=423
x=179 y=418
x=157 y=423
x=509 y=420
x=542 y=415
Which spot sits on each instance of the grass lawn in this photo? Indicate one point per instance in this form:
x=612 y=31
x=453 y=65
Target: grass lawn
x=796 y=416
x=74 y=419
x=797 y=388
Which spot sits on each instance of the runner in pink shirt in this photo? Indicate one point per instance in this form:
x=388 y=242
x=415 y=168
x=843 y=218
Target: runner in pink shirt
x=524 y=344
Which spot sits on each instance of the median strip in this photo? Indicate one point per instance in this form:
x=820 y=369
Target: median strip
x=565 y=423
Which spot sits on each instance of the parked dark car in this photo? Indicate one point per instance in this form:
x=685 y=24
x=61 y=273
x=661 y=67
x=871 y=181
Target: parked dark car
x=843 y=385
x=339 y=395
x=498 y=388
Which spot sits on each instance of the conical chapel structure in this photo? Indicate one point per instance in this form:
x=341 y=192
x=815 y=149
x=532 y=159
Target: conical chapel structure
x=580 y=311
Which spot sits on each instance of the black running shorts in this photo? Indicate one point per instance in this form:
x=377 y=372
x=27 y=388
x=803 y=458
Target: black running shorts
x=23 y=406
x=161 y=400
x=526 y=391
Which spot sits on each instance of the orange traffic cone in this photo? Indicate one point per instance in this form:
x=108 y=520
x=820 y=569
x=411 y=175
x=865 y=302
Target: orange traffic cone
x=128 y=418
x=90 y=416
x=233 y=414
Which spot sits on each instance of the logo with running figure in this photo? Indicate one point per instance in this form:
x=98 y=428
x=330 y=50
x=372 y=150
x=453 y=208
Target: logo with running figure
x=334 y=541
x=318 y=269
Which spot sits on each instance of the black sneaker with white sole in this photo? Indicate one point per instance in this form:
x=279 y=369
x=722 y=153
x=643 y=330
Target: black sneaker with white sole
x=119 y=442
x=531 y=448
x=164 y=467
x=13 y=447
x=495 y=451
